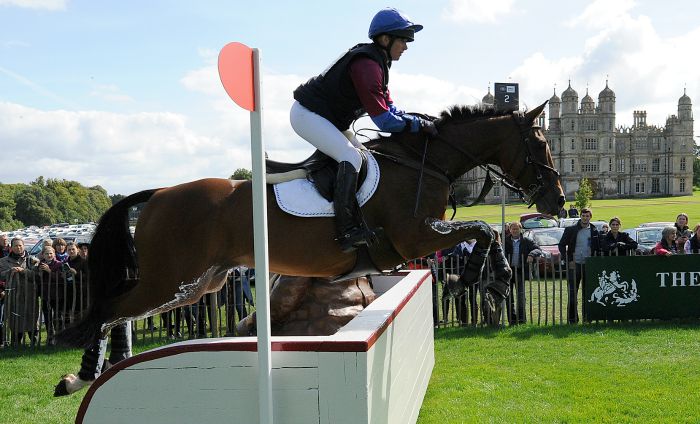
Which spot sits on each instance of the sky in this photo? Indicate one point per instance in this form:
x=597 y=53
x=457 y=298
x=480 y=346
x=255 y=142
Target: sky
x=126 y=94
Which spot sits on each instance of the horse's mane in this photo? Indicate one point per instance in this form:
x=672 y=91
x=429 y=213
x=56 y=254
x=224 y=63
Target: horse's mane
x=455 y=113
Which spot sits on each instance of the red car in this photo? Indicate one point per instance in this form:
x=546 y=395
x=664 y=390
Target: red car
x=548 y=240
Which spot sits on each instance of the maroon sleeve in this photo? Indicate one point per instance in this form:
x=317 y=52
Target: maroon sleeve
x=367 y=77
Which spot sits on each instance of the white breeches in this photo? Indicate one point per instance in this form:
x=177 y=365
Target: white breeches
x=317 y=130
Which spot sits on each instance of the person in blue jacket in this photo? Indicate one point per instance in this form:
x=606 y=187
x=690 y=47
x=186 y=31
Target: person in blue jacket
x=357 y=83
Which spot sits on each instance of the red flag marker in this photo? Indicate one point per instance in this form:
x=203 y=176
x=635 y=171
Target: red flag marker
x=236 y=73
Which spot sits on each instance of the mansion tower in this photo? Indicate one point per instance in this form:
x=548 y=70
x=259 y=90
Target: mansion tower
x=642 y=160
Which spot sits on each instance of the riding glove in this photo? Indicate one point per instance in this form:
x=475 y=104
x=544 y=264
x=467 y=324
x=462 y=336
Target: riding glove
x=428 y=127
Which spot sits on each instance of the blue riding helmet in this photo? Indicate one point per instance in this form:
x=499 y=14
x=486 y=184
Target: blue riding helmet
x=393 y=22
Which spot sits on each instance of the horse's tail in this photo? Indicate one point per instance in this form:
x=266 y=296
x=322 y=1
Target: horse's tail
x=111 y=259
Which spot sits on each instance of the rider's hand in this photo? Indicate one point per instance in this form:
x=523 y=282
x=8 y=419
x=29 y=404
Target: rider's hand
x=428 y=127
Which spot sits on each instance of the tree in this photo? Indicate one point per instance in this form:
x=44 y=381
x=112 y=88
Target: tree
x=242 y=174
x=584 y=195
x=115 y=198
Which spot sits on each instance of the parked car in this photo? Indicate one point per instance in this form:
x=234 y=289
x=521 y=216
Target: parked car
x=646 y=238
x=548 y=240
x=568 y=222
x=537 y=220
x=656 y=224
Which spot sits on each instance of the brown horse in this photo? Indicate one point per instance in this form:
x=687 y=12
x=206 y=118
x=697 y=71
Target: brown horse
x=189 y=235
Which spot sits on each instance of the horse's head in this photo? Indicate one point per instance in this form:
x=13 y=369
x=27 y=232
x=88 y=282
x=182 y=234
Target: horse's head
x=526 y=159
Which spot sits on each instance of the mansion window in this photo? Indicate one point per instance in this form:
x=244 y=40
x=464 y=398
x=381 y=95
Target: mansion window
x=572 y=165
x=573 y=125
x=639 y=187
x=681 y=185
x=590 y=144
x=573 y=144
x=656 y=143
x=655 y=185
x=640 y=144
x=496 y=190
x=620 y=165
x=610 y=143
x=682 y=164
x=589 y=124
x=610 y=164
x=589 y=165
x=620 y=187
x=655 y=166
x=640 y=165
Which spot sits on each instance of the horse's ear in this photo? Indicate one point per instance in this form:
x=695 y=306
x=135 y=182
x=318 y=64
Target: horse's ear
x=534 y=113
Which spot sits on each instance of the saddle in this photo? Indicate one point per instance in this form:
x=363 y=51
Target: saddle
x=319 y=169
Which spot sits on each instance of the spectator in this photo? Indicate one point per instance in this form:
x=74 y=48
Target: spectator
x=16 y=270
x=667 y=245
x=577 y=243
x=681 y=224
x=75 y=269
x=615 y=242
x=84 y=250
x=694 y=242
x=4 y=251
x=238 y=294
x=520 y=252
x=573 y=212
x=562 y=213
x=59 y=246
x=4 y=246
x=49 y=289
x=682 y=240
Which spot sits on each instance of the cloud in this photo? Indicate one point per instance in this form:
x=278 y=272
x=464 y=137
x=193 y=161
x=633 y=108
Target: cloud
x=121 y=152
x=36 y=4
x=477 y=10
x=646 y=71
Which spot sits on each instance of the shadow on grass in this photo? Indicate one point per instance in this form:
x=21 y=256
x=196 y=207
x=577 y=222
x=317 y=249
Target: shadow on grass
x=527 y=331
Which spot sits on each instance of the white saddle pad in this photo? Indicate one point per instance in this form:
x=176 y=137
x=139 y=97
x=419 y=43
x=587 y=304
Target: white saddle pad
x=300 y=197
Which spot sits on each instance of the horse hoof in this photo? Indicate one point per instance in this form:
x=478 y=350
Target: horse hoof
x=61 y=389
x=69 y=384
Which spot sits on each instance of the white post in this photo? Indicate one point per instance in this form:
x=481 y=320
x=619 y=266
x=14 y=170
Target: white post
x=262 y=288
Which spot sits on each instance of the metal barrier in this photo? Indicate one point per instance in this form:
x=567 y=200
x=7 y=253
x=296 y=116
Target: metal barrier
x=37 y=305
x=541 y=299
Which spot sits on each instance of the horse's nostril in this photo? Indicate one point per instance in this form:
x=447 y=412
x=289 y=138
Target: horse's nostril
x=562 y=201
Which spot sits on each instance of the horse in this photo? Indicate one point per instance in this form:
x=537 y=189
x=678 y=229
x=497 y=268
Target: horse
x=188 y=236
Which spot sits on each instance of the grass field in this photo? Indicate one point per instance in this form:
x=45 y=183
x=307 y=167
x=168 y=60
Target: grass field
x=616 y=373
x=624 y=373
x=631 y=211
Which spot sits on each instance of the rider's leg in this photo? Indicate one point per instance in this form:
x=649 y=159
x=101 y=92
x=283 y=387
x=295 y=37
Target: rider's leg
x=323 y=135
x=327 y=138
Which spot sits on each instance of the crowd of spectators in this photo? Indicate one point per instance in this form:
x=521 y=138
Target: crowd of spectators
x=578 y=242
x=47 y=288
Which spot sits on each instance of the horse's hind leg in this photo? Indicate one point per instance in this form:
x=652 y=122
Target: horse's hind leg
x=93 y=362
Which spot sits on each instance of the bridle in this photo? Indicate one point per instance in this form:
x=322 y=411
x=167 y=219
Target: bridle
x=529 y=194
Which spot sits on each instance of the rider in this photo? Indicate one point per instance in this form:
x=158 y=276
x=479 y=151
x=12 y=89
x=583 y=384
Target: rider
x=356 y=83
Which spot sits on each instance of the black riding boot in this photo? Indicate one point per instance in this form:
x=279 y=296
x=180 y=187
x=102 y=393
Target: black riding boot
x=350 y=233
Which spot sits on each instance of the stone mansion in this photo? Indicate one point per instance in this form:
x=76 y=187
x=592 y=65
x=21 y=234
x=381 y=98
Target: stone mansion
x=642 y=160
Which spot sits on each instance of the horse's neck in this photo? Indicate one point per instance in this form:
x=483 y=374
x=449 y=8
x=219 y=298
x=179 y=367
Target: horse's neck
x=484 y=142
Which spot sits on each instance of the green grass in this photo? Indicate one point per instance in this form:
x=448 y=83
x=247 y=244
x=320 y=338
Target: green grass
x=592 y=373
x=615 y=373
x=631 y=211
x=27 y=379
